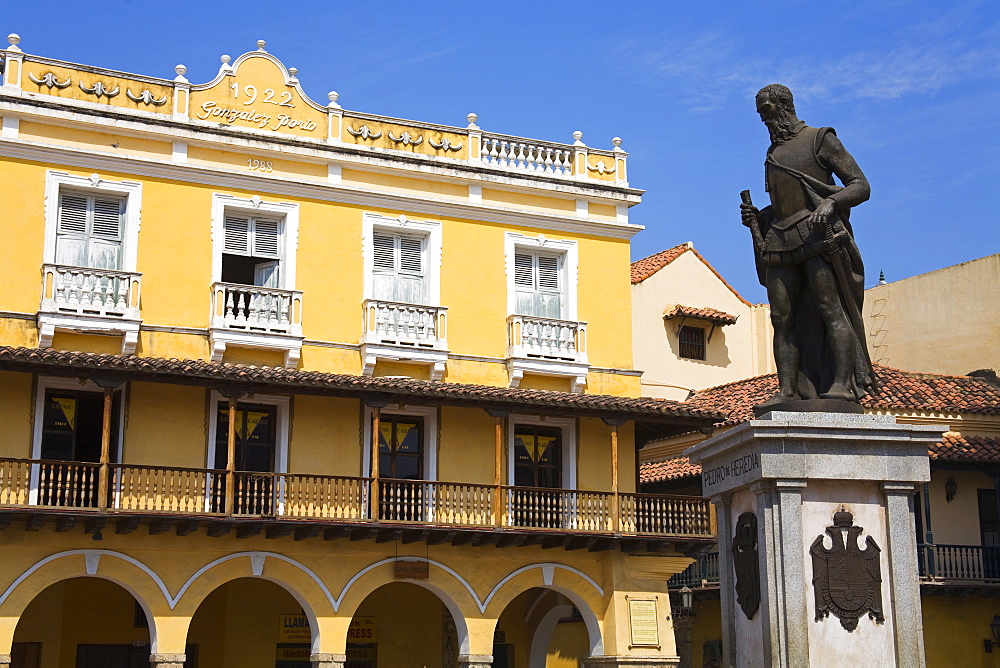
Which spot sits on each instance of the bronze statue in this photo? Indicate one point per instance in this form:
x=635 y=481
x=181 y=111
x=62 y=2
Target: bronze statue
x=808 y=261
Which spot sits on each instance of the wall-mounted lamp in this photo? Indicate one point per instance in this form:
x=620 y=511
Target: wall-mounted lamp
x=950 y=488
x=686 y=608
x=988 y=644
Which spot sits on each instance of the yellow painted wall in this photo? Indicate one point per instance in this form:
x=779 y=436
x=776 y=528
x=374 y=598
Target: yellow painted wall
x=569 y=643
x=957 y=522
x=118 y=143
x=326 y=438
x=409 y=625
x=237 y=626
x=166 y=425
x=238 y=162
x=467 y=446
x=954 y=630
x=897 y=318
x=521 y=200
x=79 y=611
x=15 y=414
x=403 y=184
x=23 y=185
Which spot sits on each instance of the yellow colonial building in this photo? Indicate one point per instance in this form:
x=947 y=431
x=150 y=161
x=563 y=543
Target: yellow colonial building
x=287 y=385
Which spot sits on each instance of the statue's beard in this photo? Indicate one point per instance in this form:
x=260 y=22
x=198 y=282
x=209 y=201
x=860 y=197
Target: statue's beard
x=781 y=128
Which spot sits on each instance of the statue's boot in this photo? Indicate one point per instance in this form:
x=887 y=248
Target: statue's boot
x=839 y=391
x=781 y=398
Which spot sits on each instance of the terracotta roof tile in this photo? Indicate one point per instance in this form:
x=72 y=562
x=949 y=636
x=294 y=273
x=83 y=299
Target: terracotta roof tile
x=705 y=313
x=668 y=469
x=57 y=362
x=958 y=448
x=647 y=266
x=898 y=390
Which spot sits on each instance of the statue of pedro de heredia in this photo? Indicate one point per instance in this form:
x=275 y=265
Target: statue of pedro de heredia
x=809 y=263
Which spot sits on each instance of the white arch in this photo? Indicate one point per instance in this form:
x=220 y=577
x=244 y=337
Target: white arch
x=543 y=635
x=92 y=560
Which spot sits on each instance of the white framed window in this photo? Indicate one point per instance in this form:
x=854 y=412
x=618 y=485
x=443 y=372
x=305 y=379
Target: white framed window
x=541 y=276
x=91 y=222
x=402 y=259
x=530 y=435
x=254 y=241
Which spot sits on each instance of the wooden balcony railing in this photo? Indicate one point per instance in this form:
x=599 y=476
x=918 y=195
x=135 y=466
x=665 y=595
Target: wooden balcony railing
x=135 y=488
x=703 y=572
x=966 y=563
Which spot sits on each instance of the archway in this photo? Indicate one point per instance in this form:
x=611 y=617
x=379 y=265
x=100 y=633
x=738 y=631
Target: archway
x=85 y=622
x=403 y=625
x=541 y=628
x=250 y=623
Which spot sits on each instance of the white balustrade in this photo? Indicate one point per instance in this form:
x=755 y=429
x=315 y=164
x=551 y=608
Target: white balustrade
x=395 y=323
x=91 y=292
x=546 y=338
x=529 y=156
x=250 y=308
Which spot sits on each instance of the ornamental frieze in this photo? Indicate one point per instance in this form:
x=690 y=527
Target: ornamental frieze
x=49 y=80
x=146 y=97
x=99 y=88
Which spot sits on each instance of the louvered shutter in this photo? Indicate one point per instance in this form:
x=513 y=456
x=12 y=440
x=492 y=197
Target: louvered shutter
x=410 y=279
x=71 y=230
x=266 y=238
x=89 y=231
x=106 y=234
x=237 y=235
x=398 y=268
x=537 y=285
x=548 y=289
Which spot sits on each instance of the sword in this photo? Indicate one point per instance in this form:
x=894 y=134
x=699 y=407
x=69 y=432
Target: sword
x=840 y=264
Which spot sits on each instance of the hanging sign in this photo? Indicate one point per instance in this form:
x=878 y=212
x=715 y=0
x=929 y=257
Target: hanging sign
x=412 y=569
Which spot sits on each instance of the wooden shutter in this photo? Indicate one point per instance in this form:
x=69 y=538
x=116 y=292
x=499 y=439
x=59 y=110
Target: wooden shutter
x=266 y=237
x=237 y=235
x=537 y=285
x=246 y=235
x=398 y=268
x=89 y=230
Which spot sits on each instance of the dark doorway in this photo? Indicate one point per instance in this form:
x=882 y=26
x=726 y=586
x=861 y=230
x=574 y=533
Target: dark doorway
x=401 y=458
x=256 y=441
x=537 y=468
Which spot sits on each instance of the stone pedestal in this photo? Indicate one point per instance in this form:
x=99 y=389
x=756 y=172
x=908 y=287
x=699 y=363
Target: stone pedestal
x=852 y=597
x=475 y=660
x=328 y=660
x=4 y=660
x=630 y=662
x=165 y=660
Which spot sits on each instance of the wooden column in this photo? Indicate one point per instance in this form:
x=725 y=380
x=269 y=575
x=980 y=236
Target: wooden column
x=373 y=464
x=615 y=495
x=498 y=471
x=102 y=475
x=231 y=458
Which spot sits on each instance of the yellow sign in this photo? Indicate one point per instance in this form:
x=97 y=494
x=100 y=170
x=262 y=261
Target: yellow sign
x=68 y=407
x=362 y=630
x=642 y=620
x=536 y=445
x=294 y=628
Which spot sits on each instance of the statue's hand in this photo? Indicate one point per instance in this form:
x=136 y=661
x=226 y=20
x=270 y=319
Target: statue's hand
x=821 y=216
x=748 y=213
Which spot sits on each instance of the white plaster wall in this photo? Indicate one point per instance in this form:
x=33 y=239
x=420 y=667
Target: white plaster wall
x=953 y=311
x=870 y=644
x=749 y=632
x=735 y=352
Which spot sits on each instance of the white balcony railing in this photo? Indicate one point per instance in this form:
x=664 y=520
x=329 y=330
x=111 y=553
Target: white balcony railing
x=526 y=155
x=253 y=309
x=397 y=324
x=90 y=292
x=546 y=338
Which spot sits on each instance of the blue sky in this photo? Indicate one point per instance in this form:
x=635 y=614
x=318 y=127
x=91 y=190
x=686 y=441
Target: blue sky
x=913 y=89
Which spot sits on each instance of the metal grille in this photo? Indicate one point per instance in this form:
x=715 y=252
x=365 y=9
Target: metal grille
x=692 y=341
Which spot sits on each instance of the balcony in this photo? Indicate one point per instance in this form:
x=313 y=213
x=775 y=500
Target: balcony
x=248 y=316
x=220 y=496
x=958 y=564
x=702 y=573
x=547 y=347
x=405 y=333
x=82 y=299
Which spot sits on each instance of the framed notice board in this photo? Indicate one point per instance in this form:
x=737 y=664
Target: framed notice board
x=643 y=623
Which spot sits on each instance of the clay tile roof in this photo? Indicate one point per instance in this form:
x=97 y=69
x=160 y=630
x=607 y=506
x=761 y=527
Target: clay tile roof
x=706 y=313
x=958 y=448
x=898 y=390
x=257 y=378
x=647 y=266
x=668 y=469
